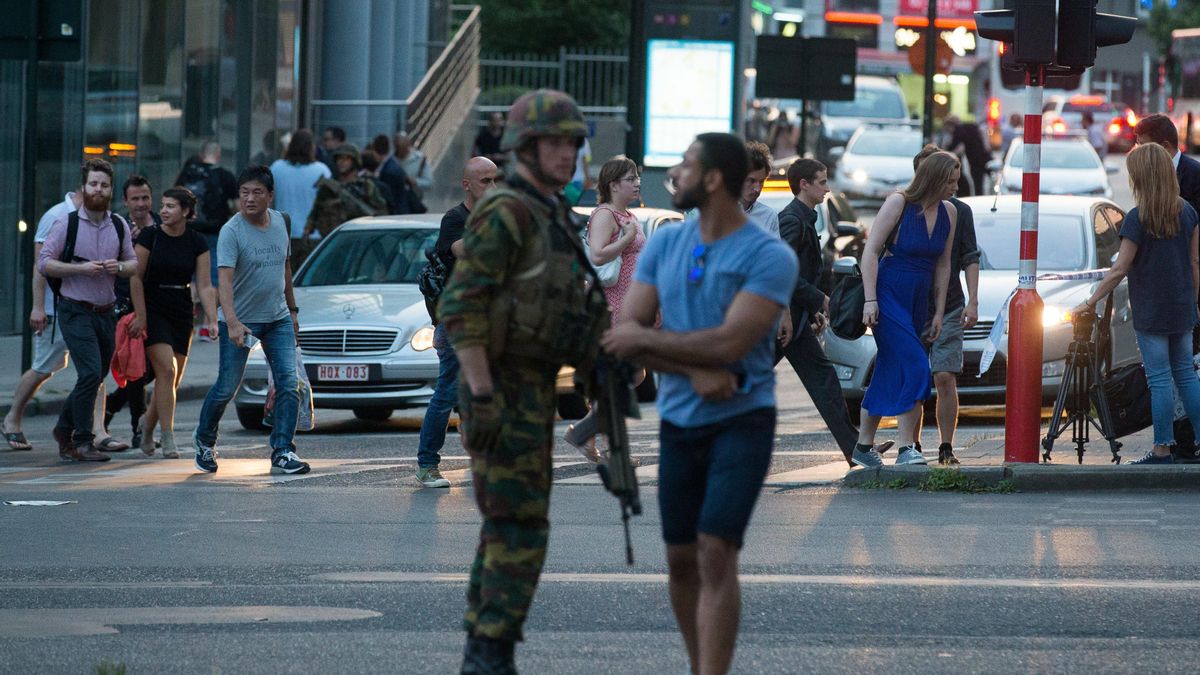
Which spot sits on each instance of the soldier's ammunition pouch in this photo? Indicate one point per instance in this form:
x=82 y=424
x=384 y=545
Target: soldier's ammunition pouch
x=550 y=308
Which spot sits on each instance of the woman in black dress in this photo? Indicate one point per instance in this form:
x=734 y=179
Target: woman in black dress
x=169 y=258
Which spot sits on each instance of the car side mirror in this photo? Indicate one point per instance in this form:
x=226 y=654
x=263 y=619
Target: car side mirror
x=847 y=266
x=836 y=153
x=846 y=228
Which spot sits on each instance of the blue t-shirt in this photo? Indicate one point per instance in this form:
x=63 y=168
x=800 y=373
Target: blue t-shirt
x=1161 y=293
x=749 y=259
x=296 y=190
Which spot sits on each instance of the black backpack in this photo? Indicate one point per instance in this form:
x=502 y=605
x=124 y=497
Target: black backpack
x=212 y=209
x=68 y=252
x=432 y=280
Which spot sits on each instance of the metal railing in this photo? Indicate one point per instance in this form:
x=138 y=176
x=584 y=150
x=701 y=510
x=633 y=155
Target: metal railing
x=435 y=110
x=597 y=79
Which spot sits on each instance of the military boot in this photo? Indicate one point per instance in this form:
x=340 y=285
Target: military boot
x=487 y=656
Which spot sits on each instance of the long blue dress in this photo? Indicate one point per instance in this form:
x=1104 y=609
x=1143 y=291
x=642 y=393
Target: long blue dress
x=902 y=376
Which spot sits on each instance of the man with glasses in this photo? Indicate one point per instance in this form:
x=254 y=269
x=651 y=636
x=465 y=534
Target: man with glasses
x=256 y=304
x=721 y=286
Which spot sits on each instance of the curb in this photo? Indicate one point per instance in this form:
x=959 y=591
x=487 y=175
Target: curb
x=53 y=406
x=1042 y=478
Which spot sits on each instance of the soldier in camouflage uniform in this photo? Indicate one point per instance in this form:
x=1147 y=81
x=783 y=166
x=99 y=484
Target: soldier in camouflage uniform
x=520 y=303
x=345 y=197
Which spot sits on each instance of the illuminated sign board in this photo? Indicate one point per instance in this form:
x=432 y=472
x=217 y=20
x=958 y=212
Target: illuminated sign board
x=689 y=91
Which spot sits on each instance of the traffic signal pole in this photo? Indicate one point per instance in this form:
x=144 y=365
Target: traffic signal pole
x=1023 y=414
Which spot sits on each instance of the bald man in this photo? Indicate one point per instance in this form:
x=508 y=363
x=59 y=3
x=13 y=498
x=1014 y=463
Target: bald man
x=479 y=176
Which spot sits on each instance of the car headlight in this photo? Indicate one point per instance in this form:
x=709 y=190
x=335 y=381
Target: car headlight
x=1054 y=316
x=422 y=339
x=1054 y=368
x=859 y=176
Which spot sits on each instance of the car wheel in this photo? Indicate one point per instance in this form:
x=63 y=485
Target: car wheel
x=572 y=406
x=373 y=414
x=647 y=391
x=854 y=407
x=251 y=417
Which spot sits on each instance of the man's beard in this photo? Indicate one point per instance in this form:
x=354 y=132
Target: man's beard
x=96 y=203
x=692 y=198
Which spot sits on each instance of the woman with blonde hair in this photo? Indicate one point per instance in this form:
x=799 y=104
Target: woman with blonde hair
x=612 y=231
x=916 y=227
x=1160 y=254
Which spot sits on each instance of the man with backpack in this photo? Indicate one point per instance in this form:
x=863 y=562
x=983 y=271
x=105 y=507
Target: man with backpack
x=479 y=176
x=80 y=258
x=214 y=187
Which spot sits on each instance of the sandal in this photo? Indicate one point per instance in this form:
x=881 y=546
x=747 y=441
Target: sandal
x=111 y=444
x=588 y=450
x=17 y=441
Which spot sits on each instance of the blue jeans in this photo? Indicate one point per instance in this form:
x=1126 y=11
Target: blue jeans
x=279 y=346
x=1168 y=357
x=445 y=396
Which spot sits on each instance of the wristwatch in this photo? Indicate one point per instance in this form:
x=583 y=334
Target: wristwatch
x=120 y=267
x=294 y=310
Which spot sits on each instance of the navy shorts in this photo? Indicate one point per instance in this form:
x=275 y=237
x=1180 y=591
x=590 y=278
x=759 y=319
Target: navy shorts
x=709 y=477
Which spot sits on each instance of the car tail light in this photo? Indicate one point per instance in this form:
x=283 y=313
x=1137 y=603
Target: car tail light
x=1114 y=128
x=993 y=111
x=1058 y=127
x=1130 y=118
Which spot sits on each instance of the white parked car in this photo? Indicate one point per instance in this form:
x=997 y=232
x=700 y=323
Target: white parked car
x=1074 y=234
x=1069 y=167
x=877 y=162
x=365 y=335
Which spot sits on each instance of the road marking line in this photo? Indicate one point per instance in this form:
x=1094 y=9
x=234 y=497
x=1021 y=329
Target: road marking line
x=789 y=579
x=37 y=623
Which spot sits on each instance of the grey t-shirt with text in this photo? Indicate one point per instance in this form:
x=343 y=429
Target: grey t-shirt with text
x=257 y=257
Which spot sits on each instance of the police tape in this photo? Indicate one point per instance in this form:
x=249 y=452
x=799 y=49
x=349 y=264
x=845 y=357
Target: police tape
x=999 y=327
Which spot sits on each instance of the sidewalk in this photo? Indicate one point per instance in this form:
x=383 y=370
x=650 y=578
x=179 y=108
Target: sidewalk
x=982 y=459
x=197 y=377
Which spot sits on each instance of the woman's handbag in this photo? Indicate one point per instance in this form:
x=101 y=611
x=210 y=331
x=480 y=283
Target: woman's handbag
x=610 y=271
x=848 y=298
x=846 y=304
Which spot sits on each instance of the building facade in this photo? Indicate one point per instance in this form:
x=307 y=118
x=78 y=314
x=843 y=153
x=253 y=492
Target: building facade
x=159 y=78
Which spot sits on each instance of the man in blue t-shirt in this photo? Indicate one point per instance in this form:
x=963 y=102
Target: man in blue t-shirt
x=721 y=284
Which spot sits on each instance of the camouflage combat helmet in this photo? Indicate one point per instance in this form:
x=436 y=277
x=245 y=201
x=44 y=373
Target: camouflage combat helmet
x=544 y=112
x=348 y=150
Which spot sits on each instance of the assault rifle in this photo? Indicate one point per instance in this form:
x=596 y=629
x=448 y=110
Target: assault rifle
x=615 y=401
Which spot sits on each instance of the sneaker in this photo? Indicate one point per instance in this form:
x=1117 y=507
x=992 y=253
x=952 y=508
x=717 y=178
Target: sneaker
x=946 y=454
x=207 y=336
x=430 y=477
x=1151 y=458
x=288 y=462
x=1186 y=455
x=206 y=459
x=910 y=455
x=866 y=456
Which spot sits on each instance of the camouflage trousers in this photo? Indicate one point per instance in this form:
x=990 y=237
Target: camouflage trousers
x=512 y=490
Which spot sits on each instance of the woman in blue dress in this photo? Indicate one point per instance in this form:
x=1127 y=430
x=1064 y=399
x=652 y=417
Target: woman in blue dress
x=897 y=283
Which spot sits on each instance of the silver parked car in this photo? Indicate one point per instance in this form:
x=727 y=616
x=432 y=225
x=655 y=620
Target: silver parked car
x=1074 y=234
x=365 y=334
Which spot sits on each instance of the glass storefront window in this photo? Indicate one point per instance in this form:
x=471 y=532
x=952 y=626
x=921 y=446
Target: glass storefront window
x=160 y=105
x=111 y=95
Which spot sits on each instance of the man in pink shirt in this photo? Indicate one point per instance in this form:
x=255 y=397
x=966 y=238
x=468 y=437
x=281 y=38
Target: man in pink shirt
x=102 y=252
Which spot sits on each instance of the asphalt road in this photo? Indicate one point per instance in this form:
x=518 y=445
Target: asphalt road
x=355 y=569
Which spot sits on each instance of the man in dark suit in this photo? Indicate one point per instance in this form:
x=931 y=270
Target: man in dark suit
x=1158 y=128
x=809 y=181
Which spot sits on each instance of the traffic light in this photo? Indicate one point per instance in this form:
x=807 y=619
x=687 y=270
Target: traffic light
x=1081 y=29
x=1028 y=25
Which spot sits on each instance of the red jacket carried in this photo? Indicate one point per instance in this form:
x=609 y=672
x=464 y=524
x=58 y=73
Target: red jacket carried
x=129 y=359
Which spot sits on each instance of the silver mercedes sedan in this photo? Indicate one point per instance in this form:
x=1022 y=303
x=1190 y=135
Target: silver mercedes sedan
x=365 y=336
x=1075 y=234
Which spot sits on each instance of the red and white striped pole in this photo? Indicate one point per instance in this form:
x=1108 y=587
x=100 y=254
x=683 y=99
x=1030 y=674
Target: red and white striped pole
x=1023 y=414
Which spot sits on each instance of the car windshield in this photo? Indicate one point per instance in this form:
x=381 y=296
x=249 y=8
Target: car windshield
x=374 y=256
x=882 y=103
x=886 y=144
x=1058 y=156
x=1060 y=242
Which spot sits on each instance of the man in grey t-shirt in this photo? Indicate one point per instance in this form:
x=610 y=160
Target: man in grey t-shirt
x=256 y=299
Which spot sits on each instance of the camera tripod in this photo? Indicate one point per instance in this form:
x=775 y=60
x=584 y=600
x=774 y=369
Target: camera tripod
x=1082 y=389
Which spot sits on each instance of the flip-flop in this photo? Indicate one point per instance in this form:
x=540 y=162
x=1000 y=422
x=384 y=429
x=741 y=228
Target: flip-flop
x=17 y=441
x=111 y=444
